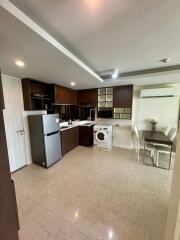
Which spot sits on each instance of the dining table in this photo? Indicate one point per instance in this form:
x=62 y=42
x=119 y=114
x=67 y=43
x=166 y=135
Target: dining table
x=156 y=138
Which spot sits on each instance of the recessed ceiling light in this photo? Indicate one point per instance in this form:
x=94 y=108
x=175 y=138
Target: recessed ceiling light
x=72 y=83
x=165 y=60
x=115 y=73
x=19 y=63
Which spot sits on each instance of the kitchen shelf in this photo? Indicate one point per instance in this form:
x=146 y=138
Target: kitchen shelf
x=122 y=113
x=105 y=98
x=33 y=87
x=41 y=98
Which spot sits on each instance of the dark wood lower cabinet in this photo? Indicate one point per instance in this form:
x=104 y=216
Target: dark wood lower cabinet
x=86 y=136
x=69 y=139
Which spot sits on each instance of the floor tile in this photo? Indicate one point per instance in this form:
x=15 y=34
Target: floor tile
x=93 y=195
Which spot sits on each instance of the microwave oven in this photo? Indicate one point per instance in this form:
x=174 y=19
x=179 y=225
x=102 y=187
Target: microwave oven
x=105 y=113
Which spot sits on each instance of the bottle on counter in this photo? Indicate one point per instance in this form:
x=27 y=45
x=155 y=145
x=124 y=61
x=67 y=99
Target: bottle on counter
x=69 y=121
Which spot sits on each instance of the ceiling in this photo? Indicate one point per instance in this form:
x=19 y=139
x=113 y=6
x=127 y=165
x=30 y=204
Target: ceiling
x=42 y=60
x=128 y=34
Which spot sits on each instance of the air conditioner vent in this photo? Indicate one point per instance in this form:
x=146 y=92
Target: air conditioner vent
x=158 y=92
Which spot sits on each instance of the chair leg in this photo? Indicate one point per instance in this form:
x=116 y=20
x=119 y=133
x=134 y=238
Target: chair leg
x=157 y=158
x=153 y=155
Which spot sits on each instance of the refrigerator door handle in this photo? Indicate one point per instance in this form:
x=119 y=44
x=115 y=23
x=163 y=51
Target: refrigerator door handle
x=53 y=133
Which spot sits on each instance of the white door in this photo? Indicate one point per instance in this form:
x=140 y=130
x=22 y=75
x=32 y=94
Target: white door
x=14 y=125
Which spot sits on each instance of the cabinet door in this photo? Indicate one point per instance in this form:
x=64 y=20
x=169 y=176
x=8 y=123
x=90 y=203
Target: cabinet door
x=26 y=94
x=65 y=141
x=63 y=95
x=85 y=136
x=75 y=137
x=89 y=96
x=122 y=96
x=72 y=96
x=69 y=139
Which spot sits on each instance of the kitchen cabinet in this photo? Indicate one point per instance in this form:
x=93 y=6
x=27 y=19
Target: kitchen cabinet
x=86 y=135
x=63 y=95
x=36 y=95
x=69 y=139
x=122 y=96
x=87 y=97
x=105 y=98
x=9 y=224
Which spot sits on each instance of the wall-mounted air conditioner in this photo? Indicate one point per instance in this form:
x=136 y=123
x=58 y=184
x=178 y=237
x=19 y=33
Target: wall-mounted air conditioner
x=158 y=92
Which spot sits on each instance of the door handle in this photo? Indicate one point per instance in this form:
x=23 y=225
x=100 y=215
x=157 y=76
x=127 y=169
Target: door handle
x=20 y=131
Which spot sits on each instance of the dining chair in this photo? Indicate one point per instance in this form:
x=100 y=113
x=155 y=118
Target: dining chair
x=138 y=147
x=137 y=142
x=172 y=133
x=160 y=148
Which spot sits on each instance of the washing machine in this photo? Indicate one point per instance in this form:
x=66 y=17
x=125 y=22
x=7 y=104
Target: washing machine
x=103 y=136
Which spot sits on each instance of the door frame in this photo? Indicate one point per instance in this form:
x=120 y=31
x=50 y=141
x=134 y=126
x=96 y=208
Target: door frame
x=172 y=231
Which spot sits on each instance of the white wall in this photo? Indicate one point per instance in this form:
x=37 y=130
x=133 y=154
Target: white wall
x=173 y=221
x=143 y=111
x=164 y=109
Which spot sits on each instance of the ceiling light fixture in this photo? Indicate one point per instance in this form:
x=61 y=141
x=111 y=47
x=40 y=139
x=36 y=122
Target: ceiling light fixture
x=115 y=73
x=19 y=63
x=72 y=83
x=165 y=60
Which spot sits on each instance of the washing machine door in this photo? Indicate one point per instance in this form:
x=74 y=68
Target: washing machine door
x=101 y=136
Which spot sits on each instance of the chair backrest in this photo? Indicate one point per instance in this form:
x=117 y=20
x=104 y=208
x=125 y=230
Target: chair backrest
x=137 y=140
x=172 y=133
x=166 y=131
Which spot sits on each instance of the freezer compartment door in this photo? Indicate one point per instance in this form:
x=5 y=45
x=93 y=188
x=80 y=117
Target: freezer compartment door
x=50 y=123
x=52 y=148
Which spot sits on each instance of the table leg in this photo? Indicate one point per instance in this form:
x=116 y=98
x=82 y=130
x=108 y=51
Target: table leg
x=144 y=151
x=170 y=157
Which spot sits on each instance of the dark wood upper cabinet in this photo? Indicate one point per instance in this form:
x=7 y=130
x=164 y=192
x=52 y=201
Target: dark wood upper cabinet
x=87 y=97
x=36 y=94
x=63 y=95
x=122 y=96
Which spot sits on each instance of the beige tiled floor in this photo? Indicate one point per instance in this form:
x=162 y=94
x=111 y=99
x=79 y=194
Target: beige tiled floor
x=93 y=195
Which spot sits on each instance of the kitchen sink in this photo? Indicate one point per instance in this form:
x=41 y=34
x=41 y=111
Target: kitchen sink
x=87 y=124
x=64 y=127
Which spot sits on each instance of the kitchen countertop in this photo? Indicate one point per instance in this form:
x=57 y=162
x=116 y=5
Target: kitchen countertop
x=75 y=124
